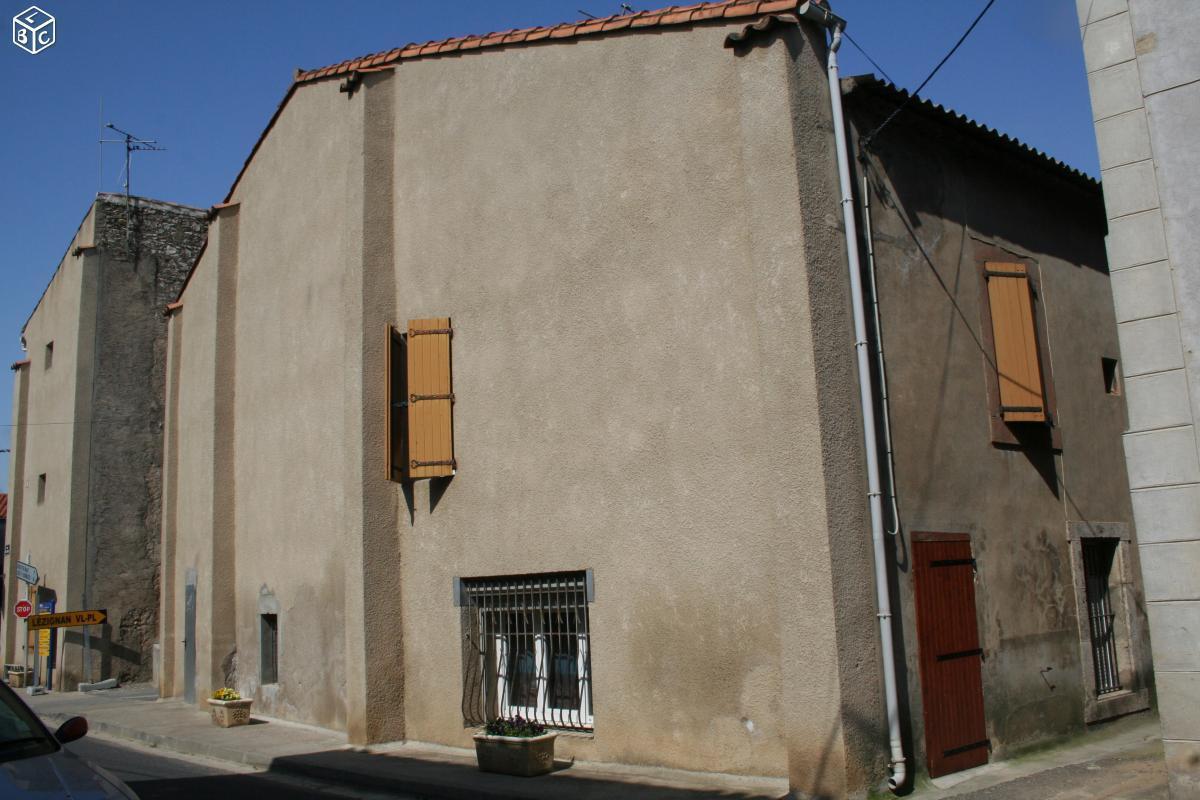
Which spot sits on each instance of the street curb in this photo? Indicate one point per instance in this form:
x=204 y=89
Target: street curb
x=285 y=766
x=175 y=745
x=459 y=787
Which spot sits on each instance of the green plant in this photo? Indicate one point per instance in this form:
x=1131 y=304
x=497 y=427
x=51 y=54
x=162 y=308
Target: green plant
x=226 y=694
x=514 y=726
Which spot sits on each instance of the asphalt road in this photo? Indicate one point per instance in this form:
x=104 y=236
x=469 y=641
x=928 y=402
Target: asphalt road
x=156 y=775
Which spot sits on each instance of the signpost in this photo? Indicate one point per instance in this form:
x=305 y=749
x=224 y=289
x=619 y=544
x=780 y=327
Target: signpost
x=23 y=609
x=27 y=573
x=67 y=619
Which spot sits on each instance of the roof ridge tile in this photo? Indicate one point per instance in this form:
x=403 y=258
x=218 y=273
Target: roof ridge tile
x=671 y=15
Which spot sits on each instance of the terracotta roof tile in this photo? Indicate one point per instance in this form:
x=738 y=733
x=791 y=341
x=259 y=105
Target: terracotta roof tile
x=3 y=506
x=672 y=15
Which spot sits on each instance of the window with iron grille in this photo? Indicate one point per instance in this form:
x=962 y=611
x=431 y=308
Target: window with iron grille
x=527 y=649
x=1098 y=555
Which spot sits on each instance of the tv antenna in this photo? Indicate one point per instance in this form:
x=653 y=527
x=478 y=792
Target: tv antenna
x=132 y=144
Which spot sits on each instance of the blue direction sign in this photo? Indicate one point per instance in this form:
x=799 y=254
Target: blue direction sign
x=26 y=572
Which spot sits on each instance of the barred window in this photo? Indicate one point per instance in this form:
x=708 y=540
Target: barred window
x=526 y=648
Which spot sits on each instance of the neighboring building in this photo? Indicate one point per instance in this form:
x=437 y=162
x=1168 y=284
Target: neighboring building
x=1143 y=62
x=3 y=533
x=597 y=295
x=85 y=469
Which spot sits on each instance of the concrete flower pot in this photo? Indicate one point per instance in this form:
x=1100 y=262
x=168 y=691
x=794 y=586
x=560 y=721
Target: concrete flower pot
x=515 y=755
x=230 y=713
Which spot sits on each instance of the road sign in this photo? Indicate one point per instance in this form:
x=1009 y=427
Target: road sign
x=23 y=609
x=44 y=642
x=26 y=572
x=68 y=619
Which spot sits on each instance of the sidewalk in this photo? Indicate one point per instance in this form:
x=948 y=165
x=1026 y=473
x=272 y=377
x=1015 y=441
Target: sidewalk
x=1118 y=761
x=439 y=772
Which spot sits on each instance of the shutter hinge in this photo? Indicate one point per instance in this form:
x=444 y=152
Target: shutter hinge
x=430 y=331
x=1020 y=409
x=416 y=398
x=995 y=273
x=418 y=464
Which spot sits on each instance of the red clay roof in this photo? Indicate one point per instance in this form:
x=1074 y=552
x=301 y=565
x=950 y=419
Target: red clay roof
x=674 y=15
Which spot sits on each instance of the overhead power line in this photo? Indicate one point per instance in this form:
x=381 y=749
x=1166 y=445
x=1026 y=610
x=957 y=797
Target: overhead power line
x=870 y=136
x=867 y=55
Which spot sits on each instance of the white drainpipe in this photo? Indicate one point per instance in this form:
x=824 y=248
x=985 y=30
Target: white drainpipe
x=821 y=14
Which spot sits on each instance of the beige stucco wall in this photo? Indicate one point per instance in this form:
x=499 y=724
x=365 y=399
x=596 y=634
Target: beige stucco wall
x=598 y=251
x=620 y=232
x=259 y=413
x=290 y=523
x=56 y=397
x=193 y=337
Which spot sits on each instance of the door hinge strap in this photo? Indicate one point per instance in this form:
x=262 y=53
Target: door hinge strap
x=430 y=331
x=416 y=398
x=953 y=751
x=419 y=464
x=978 y=651
x=953 y=562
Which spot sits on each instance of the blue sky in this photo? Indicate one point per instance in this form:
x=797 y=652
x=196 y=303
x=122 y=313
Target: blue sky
x=204 y=78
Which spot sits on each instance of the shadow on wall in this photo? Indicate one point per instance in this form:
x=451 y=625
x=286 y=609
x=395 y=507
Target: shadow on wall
x=993 y=198
x=108 y=650
x=1035 y=443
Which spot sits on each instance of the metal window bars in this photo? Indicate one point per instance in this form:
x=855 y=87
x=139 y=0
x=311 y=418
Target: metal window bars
x=526 y=649
x=1098 y=555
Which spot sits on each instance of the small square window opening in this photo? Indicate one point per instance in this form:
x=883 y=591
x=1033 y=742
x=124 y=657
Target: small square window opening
x=1112 y=375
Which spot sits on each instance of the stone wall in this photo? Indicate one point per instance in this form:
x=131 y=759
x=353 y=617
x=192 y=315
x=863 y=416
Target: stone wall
x=146 y=249
x=1143 y=62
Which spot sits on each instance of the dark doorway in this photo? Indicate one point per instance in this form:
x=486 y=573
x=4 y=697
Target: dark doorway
x=948 y=637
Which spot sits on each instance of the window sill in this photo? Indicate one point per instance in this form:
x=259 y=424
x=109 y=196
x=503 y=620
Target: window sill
x=1117 y=704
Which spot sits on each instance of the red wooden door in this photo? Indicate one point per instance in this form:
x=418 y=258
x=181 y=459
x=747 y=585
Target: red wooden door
x=948 y=637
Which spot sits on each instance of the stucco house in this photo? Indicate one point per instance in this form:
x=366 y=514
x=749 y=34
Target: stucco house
x=520 y=374
x=85 y=489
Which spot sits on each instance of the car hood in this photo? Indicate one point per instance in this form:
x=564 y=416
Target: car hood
x=59 y=775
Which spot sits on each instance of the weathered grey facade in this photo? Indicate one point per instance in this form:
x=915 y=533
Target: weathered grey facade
x=947 y=197
x=87 y=438
x=638 y=240
x=1143 y=62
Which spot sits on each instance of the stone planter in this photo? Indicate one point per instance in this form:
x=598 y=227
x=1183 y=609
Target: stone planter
x=515 y=755
x=17 y=675
x=230 y=713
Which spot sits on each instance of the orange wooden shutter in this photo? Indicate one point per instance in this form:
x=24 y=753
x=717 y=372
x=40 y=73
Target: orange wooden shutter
x=1014 y=333
x=430 y=399
x=396 y=405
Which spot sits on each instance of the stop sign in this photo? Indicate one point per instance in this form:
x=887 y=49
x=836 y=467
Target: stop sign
x=23 y=609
